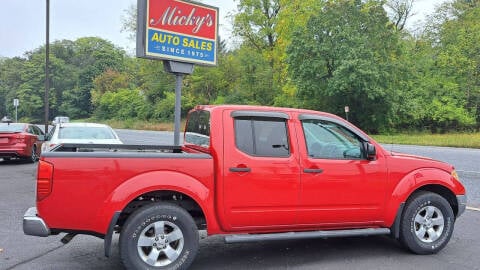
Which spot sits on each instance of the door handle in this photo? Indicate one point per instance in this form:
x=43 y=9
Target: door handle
x=236 y=169
x=312 y=170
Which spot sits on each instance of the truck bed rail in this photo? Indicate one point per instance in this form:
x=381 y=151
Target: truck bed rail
x=116 y=148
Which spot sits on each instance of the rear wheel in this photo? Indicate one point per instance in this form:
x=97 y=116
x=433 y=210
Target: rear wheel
x=427 y=223
x=33 y=156
x=159 y=236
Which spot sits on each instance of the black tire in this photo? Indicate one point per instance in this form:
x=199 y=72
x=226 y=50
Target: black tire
x=159 y=236
x=427 y=223
x=33 y=156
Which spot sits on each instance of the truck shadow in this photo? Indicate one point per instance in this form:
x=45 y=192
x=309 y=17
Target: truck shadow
x=294 y=254
x=16 y=161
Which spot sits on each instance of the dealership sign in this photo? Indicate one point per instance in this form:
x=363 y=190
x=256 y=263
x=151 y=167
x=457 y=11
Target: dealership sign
x=177 y=30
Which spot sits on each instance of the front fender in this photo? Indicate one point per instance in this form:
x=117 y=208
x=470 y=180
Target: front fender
x=414 y=181
x=148 y=182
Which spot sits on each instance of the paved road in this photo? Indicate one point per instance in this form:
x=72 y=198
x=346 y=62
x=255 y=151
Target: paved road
x=19 y=252
x=466 y=162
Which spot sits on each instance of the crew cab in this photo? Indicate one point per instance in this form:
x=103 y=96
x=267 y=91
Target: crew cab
x=251 y=173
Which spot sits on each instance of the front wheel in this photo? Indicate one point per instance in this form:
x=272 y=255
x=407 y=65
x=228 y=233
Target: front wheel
x=159 y=236
x=427 y=223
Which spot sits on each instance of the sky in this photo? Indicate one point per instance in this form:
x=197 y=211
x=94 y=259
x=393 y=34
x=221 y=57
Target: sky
x=22 y=22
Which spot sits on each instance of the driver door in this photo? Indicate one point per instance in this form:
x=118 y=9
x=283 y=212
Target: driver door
x=339 y=184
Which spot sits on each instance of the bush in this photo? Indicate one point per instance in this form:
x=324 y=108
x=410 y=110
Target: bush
x=123 y=104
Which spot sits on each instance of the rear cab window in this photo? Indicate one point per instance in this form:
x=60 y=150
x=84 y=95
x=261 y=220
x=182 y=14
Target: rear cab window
x=198 y=129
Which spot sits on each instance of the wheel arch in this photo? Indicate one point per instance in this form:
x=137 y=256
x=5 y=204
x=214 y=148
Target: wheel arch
x=158 y=183
x=441 y=190
x=426 y=179
x=153 y=187
x=170 y=196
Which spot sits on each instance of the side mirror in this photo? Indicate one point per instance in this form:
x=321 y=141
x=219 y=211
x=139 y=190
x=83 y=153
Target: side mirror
x=370 y=151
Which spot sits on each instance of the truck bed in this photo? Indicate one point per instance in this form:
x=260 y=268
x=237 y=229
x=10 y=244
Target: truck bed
x=91 y=182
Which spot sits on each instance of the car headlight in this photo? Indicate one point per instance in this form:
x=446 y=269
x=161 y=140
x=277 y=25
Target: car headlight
x=455 y=175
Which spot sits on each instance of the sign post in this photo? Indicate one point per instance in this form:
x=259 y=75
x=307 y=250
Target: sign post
x=16 y=102
x=180 y=70
x=347 y=109
x=181 y=34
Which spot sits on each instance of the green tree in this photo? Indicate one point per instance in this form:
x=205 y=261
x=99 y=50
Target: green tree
x=294 y=14
x=10 y=80
x=458 y=53
x=256 y=23
x=108 y=81
x=400 y=11
x=123 y=104
x=92 y=57
x=345 y=56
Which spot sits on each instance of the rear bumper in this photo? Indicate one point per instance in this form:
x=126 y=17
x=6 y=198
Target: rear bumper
x=14 y=151
x=462 y=204
x=33 y=224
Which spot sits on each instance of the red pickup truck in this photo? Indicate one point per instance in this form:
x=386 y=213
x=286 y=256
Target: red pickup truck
x=250 y=173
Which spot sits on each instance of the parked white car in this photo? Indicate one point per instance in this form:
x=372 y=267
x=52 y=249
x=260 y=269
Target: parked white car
x=80 y=133
x=60 y=119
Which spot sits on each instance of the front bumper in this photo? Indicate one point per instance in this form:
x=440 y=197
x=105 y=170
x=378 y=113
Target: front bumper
x=33 y=224
x=462 y=204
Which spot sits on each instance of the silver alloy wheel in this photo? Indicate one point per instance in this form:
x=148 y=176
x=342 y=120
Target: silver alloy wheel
x=429 y=224
x=160 y=243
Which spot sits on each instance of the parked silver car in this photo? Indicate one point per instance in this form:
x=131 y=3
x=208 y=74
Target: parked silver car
x=60 y=119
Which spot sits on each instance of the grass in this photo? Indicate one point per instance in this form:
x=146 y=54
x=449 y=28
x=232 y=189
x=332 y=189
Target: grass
x=142 y=125
x=135 y=124
x=463 y=140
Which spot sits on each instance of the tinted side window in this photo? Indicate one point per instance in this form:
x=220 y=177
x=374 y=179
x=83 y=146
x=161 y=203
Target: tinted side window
x=329 y=140
x=262 y=137
x=244 y=136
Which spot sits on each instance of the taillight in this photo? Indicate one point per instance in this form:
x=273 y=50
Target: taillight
x=20 y=138
x=44 y=180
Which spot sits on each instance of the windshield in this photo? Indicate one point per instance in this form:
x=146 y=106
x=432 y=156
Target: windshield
x=12 y=127
x=101 y=133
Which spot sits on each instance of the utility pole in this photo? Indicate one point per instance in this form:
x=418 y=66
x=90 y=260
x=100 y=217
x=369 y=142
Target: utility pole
x=47 y=62
x=15 y=104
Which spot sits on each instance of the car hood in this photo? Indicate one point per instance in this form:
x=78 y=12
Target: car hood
x=420 y=161
x=398 y=154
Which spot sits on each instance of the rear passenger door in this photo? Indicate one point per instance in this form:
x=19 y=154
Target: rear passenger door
x=261 y=175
